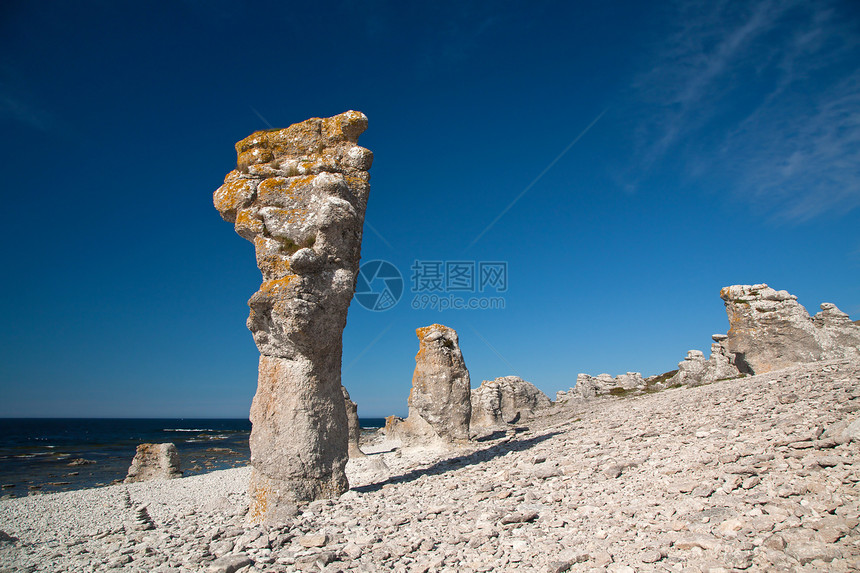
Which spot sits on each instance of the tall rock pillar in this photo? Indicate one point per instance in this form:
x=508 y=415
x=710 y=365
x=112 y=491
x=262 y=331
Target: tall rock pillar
x=440 y=405
x=299 y=195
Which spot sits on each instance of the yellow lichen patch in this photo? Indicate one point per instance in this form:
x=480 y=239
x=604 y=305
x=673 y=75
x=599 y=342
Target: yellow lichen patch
x=273 y=266
x=231 y=176
x=247 y=224
x=259 y=505
x=258 y=139
x=275 y=287
x=253 y=157
x=355 y=182
x=234 y=195
x=332 y=129
x=296 y=139
x=274 y=190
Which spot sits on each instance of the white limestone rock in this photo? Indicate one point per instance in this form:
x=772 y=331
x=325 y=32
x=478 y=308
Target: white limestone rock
x=505 y=400
x=299 y=195
x=770 y=330
x=440 y=404
x=154 y=461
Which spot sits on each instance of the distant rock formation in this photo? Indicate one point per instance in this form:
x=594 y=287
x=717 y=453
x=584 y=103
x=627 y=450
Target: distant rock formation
x=154 y=461
x=299 y=195
x=354 y=426
x=506 y=400
x=591 y=386
x=769 y=330
x=440 y=401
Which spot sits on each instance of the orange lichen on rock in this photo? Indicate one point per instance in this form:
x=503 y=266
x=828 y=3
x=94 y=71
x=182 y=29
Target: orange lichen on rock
x=232 y=196
x=247 y=224
x=299 y=194
x=439 y=402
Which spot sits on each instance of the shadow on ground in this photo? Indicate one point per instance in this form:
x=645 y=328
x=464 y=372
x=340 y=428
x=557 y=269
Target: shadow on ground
x=450 y=464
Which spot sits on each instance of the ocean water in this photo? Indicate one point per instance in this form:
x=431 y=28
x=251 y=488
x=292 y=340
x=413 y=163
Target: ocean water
x=42 y=455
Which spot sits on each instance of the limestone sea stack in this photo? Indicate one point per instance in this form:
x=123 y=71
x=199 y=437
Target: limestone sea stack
x=440 y=405
x=354 y=425
x=154 y=461
x=299 y=195
x=770 y=330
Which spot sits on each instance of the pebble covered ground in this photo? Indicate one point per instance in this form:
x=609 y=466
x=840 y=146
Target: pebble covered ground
x=755 y=474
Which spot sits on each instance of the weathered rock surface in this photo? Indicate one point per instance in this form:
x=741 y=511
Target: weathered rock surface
x=154 y=461
x=721 y=477
x=505 y=400
x=588 y=386
x=694 y=370
x=770 y=330
x=440 y=404
x=353 y=424
x=299 y=195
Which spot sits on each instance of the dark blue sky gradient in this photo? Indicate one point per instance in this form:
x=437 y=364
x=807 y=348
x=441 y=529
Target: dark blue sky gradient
x=727 y=153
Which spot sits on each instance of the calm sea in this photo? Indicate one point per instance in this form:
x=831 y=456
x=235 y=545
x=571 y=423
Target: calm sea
x=58 y=454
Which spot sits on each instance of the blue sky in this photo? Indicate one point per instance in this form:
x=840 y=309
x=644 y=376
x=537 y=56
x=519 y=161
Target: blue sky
x=625 y=160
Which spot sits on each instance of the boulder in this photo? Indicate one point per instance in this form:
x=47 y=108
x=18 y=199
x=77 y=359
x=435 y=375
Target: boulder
x=770 y=330
x=299 y=195
x=506 y=400
x=440 y=404
x=154 y=461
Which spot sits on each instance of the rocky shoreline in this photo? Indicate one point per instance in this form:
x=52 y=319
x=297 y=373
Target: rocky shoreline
x=758 y=473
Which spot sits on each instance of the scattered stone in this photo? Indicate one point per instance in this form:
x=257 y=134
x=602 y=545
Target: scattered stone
x=142 y=519
x=613 y=471
x=229 y=563
x=6 y=538
x=651 y=556
x=807 y=552
x=519 y=517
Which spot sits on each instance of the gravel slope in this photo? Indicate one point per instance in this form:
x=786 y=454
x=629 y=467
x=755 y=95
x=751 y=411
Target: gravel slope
x=755 y=474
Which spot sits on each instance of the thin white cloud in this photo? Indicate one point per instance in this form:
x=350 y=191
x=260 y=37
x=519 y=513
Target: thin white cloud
x=768 y=93
x=19 y=111
x=807 y=163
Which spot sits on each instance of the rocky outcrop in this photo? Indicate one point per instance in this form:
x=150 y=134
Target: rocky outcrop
x=154 y=461
x=299 y=195
x=353 y=425
x=770 y=330
x=691 y=370
x=592 y=386
x=506 y=400
x=440 y=401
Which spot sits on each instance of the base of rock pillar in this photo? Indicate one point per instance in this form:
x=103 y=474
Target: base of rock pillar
x=274 y=501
